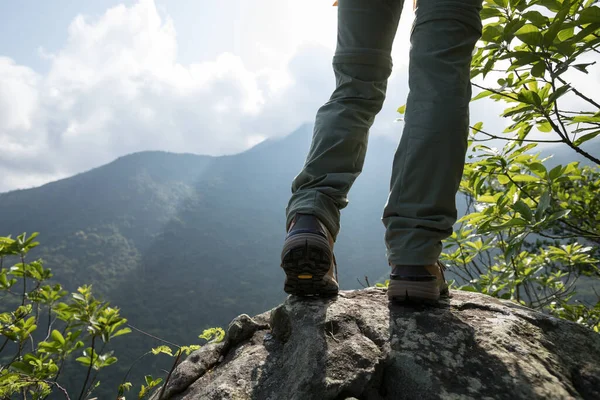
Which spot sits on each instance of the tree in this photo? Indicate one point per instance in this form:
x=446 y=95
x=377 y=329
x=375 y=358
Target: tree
x=533 y=232
x=46 y=328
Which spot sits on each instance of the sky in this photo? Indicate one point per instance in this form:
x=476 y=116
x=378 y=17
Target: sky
x=82 y=83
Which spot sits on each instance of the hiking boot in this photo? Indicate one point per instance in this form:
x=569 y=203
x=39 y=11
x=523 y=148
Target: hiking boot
x=420 y=284
x=307 y=258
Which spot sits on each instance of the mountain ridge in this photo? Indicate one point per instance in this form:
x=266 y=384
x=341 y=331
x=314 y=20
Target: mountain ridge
x=193 y=239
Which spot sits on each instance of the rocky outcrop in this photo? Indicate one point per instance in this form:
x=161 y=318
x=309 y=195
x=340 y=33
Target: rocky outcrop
x=357 y=346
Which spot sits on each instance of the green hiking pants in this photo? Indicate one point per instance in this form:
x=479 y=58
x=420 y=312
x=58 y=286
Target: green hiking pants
x=428 y=164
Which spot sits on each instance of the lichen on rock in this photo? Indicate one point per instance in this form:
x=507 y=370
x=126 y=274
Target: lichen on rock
x=359 y=346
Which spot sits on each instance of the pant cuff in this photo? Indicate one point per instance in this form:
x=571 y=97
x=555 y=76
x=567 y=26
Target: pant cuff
x=318 y=204
x=411 y=257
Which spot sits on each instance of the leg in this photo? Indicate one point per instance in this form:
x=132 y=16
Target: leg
x=362 y=65
x=429 y=162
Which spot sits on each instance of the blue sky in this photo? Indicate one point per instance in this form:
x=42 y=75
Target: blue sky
x=28 y=25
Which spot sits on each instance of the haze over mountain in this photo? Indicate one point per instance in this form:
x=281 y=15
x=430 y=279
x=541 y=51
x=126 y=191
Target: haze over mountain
x=182 y=242
x=190 y=226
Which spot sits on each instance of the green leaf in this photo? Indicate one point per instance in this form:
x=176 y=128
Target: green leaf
x=558 y=93
x=84 y=360
x=552 y=5
x=78 y=296
x=510 y=224
x=589 y=15
x=485 y=93
x=503 y=179
x=586 y=118
x=487 y=199
x=162 y=349
x=402 y=109
x=529 y=34
x=558 y=215
x=566 y=34
x=110 y=361
x=538 y=69
x=555 y=172
x=545 y=127
x=511 y=28
x=489 y=12
x=586 y=137
x=543 y=204
x=524 y=178
x=121 y=332
x=536 y=18
x=538 y=168
x=530 y=97
x=56 y=335
x=477 y=127
x=213 y=335
x=523 y=58
x=557 y=23
x=492 y=33
x=523 y=209
x=583 y=67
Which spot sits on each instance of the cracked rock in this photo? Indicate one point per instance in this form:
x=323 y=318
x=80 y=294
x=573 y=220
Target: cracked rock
x=358 y=346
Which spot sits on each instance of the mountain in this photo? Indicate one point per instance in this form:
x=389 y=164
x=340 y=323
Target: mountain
x=194 y=225
x=183 y=242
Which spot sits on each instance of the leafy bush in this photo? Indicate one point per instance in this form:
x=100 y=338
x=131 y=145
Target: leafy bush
x=533 y=232
x=45 y=328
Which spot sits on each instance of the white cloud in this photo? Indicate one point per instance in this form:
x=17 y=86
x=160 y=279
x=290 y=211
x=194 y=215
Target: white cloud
x=17 y=82
x=116 y=87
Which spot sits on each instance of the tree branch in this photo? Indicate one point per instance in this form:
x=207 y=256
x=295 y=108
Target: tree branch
x=578 y=93
x=512 y=139
x=87 y=377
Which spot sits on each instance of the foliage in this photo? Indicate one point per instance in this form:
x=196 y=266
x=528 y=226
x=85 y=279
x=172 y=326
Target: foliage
x=533 y=232
x=538 y=45
x=32 y=359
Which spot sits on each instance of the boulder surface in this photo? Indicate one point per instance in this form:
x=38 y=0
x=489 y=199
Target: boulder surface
x=360 y=346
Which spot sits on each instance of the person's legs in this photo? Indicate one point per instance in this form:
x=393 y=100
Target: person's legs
x=429 y=162
x=362 y=65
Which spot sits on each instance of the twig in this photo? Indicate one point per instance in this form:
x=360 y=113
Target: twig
x=162 y=390
x=152 y=336
x=578 y=93
x=132 y=365
x=24 y=280
x=330 y=333
x=87 y=377
x=89 y=391
x=3 y=344
x=27 y=378
x=495 y=92
x=512 y=139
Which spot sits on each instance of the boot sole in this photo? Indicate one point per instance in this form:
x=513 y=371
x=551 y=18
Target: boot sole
x=404 y=291
x=306 y=259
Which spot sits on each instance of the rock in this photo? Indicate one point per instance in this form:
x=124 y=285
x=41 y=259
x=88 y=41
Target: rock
x=193 y=367
x=357 y=346
x=240 y=329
